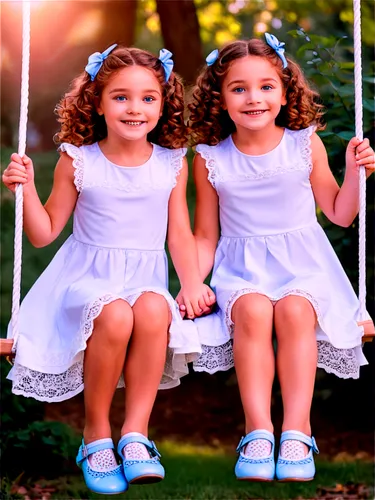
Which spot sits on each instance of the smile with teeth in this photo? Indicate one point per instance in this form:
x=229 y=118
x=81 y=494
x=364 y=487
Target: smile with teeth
x=132 y=123
x=255 y=112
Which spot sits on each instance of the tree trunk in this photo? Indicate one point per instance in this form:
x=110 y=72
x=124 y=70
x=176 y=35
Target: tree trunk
x=180 y=30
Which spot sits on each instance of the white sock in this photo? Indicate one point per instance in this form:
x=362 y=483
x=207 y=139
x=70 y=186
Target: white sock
x=103 y=460
x=258 y=448
x=291 y=449
x=135 y=451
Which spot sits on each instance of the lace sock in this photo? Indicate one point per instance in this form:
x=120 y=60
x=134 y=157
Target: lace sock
x=258 y=448
x=103 y=460
x=135 y=451
x=292 y=449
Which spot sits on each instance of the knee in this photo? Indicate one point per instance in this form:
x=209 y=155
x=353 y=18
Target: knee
x=116 y=321
x=151 y=308
x=294 y=310
x=251 y=310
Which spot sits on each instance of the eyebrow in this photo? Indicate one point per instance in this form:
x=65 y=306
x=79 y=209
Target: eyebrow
x=148 y=91
x=243 y=81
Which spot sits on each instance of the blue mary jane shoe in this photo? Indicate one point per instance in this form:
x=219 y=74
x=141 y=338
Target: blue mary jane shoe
x=297 y=470
x=141 y=471
x=109 y=482
x=255 y=469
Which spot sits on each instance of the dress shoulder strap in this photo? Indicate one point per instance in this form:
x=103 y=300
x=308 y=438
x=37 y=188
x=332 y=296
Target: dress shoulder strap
x=171 y=161
x=209 y=154
x=304 y=136
x=177 y=157
x=77 y=155
x=299 y=142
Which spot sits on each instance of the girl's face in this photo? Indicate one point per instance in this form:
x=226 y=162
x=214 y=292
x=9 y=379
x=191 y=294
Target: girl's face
x=252 y=93
x=131 y=103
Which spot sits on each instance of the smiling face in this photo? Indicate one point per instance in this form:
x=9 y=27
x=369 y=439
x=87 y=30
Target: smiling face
x=131 y=103
x=253 y=93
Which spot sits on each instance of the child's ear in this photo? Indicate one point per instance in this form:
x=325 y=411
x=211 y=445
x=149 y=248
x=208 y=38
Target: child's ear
x=98 y=107
x=283 y=99
x=223 y=104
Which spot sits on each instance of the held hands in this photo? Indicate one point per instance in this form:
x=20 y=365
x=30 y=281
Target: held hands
x=360 y=153
x=195 y=301
x=19 y=171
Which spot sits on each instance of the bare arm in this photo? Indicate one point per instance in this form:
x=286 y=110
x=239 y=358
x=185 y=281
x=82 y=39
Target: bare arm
x=43 y=224
x=183 y=249
x=339 y=205
x=206 y=220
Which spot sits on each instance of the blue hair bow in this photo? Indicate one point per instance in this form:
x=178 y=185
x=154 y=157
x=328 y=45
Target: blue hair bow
x=278 y=47
x=212 y=57
x=165 y=56
x=96 y=60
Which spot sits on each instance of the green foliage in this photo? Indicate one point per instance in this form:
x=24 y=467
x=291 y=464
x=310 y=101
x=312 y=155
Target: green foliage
x=28 y=444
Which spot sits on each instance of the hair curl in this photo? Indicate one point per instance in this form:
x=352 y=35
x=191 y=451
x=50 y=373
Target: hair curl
x=209 y=123
x=77 y=110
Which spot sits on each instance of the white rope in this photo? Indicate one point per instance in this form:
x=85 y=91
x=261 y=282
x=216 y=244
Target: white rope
x=362 y=170
x=19 y=190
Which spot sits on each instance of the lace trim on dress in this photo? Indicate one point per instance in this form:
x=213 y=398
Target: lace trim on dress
x=214 y=175
x=342 y=362
x=210 y=163
x=76 y=154
x=48 y=386
x=215 y=358
x=60 y=386
x=92 y=310
x=266 y=174
x=305 y=140
x=177 y=163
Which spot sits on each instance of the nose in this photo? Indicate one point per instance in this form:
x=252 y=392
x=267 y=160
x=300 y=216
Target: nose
x=253 y=96
x=133 y=108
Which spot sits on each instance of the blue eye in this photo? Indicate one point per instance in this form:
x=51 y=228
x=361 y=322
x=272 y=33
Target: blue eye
x=267 y=87
x=120 y=98
x=149 y=99
x=239 y=90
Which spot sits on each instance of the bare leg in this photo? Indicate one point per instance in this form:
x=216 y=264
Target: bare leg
x=145 y=360
x=104 y=361
x=254 y=358
x=296 y=360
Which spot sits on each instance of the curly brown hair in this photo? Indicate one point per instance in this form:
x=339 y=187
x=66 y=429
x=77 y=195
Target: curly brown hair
x=209 y=123
x=77 y=110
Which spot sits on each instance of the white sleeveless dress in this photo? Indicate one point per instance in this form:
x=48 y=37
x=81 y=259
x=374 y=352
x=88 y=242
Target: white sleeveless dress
x=116 y=251
x=272 y=244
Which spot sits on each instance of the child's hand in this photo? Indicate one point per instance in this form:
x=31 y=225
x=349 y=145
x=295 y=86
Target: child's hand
x=201 y=303
x=19 y=171
x=360 y=153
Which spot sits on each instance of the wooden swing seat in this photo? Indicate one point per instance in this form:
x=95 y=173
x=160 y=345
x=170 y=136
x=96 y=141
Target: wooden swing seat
x=368 y=336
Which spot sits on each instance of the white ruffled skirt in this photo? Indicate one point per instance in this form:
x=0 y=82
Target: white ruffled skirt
x=57 y=317
x=300 y=262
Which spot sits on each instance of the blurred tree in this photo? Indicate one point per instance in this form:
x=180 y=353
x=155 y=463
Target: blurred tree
x=180 y=30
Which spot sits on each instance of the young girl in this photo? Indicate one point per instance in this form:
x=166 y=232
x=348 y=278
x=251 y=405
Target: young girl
x=101 y=308
x=259 y=170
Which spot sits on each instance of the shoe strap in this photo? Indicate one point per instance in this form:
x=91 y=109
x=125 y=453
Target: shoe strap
x=139 y=438
x=88 y=449
x=257 y=434
x=300 y=436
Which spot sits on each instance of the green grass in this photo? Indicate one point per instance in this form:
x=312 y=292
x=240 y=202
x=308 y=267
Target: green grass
x=205 y=473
